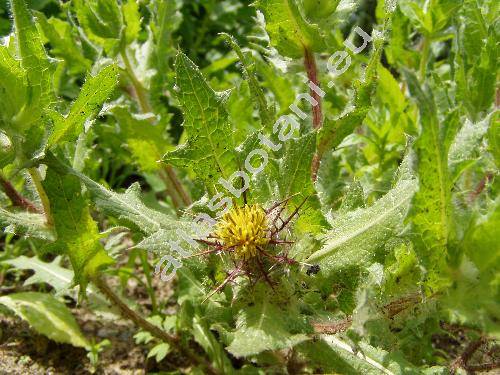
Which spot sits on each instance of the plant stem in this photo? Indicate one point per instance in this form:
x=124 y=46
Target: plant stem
x=312 y=74
x=141 y=96
x=140 y=92
x=424 y=57
x=15 y=197
x=315 y=166
x=157 y=332
x=149 y=282
x=177 y=185
x=170 y=190
x=37 y=180
x=462 y=360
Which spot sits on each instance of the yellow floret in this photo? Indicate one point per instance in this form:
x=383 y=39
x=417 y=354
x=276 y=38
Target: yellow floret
x=243 y=229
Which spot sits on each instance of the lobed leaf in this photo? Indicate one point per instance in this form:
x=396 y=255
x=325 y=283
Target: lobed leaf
x=95 y=91
x=77 y=233
x=431 y=211
x=210 y=148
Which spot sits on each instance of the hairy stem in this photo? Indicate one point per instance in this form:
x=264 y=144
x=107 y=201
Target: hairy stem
x=315 y=166
x=157 y=332
x=141 y=95
x=312 y=74
x=37 y=181
x=15 y=197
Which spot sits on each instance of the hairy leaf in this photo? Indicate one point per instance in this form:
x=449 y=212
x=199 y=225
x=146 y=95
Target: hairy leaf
x=13 y=85
x=356 y=235
x=288 y=29
x=249 y=70
x=102 y=22
x=335 y=130
x=209 y=149
x=63 y=43
x=94 y=93
x=262 y=327
x=25 y=223
x=35 y=62
x=47 y=316
x=431 y=211
x=77 y=233
x=51 y=273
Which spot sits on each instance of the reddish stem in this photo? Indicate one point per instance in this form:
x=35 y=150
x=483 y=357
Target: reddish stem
x=315 y=167
x=17 y=199
x=463 y=359
x=312 y=74
x=480 y=187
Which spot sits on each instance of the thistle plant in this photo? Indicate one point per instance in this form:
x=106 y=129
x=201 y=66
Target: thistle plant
x=287 y=186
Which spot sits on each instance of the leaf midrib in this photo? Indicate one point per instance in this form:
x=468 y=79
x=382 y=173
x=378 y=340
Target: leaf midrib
x=204 y=123
x=363 y=229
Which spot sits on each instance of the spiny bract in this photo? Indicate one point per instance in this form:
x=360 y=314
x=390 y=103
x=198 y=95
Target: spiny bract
x=243 y=229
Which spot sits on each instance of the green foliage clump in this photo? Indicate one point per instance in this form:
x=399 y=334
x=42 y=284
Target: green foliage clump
x=126 y=125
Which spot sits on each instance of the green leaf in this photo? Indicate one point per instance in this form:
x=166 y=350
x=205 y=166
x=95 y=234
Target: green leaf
x=334 y=131
x=35 y=62
x=132 y=18
x=369 y=360
x=7 y=151
x=294 y=179
x=209 y=150
x=63 y=43
x=479 y=275
x=476 y=58
x=25 y=223
x=165 y=19
x=356 y=236
x=431 y=211
x=13 y=85
x=159 y=352
x=102 y=22
x=249 y=71
x=127 y=206
x=494 y=138
x=389 y=90
x=466 y=146
x=47 y=316
x=319 y=9
x=51 y=273
x=288 y=29
x=353 y=198
x=77 y=233
x=211 y=345
x=278 y=84
x=480 y=242
x=146 y=141
x=95 y=91
x=59 y=278
x=262 y=327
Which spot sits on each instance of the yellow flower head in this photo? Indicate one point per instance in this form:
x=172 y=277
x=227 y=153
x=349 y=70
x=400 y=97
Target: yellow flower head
x=243 y=229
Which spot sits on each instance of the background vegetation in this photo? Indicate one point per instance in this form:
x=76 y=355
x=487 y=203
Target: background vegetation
x=400 y=168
